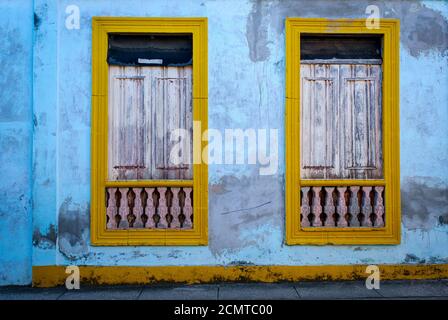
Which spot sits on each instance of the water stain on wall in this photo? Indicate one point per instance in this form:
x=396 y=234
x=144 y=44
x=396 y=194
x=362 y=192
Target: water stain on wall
x=424 y=202
x=422 y=29
x=73 y=227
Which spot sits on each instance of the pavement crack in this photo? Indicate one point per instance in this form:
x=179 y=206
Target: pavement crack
x=140 y=293
x=297 y=291
x=60 y=296
x=378 y=292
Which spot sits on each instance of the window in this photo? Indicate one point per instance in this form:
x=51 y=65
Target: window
x=149 y=83
x=342 y=133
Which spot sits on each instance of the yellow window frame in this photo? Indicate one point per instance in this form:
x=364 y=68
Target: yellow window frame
x=100 y=236
x=295 y=233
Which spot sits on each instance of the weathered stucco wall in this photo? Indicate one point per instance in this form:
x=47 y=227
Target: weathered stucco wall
x=246 y=90
x=16 y=25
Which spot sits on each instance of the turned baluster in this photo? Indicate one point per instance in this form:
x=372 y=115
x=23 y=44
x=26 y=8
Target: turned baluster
x=316 y=207
x=354 y=207
x=378 y=209
x=138 y=208
x=305 y=208
x=111 y=209
x=329 y=207
x=188 y=209
x=150 y=210
x=342 y=208
x=124 y=209
x=366 y=207
x=162 y=209
x=175 y=208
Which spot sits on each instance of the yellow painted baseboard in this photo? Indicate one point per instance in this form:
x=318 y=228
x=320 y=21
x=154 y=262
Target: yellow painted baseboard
x=49 y=276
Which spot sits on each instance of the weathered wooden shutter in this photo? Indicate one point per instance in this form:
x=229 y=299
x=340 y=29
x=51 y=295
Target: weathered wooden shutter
x=172 y=109
x=145 y=105
x=341 y=120
x=126 y=123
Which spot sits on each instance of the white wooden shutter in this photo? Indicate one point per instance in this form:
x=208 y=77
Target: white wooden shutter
x=341 y=121
x=145 y=105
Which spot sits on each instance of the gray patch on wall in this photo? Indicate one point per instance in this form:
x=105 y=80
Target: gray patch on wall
x=45 y=240
x=73 y=229
x=412 y=258
x=256 y=33
x=422 y=29
x=236 y=205
x=424 y=202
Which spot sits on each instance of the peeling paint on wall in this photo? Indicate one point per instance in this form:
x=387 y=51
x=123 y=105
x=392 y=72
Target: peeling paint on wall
x=73 y=229
x=256 y=32
x=235 y=214
x=422 y=29
x=46 y=240
x=424 y=202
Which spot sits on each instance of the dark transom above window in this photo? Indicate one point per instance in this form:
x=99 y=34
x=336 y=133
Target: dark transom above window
x=340 y=47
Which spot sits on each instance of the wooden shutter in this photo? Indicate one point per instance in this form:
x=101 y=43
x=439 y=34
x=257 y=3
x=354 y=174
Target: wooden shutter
x=126 y=123
x=145 y=105
x=172 y=110
x=341 y=121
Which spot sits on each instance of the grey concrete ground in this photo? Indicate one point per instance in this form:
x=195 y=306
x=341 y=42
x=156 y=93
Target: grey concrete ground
x=409 y=289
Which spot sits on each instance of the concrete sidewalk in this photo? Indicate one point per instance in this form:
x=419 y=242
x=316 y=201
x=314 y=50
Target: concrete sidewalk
x=403 y=289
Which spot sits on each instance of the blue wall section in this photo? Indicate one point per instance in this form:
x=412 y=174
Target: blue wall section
x=246 y=90
x=16 y=25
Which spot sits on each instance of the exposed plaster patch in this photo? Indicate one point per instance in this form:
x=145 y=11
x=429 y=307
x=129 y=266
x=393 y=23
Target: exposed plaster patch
x=45 y=241
x=412 y=258
x=256 y=33
x=241 y=263
x=424 y=202
x=422 y=29
x=443 y=219
x=37 y=21
x=262 y=209
x=437 y=260
x=73 y=229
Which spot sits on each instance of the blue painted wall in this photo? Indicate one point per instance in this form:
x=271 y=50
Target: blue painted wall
x=16 y=25
x=246 y=90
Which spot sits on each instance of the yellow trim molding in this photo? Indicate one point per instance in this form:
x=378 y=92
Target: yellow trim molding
x=101 y=27
x=390 y=234
x=50 y=276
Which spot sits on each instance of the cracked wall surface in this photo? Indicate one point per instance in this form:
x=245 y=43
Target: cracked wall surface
x=246 y=90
